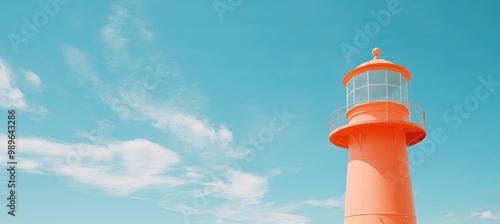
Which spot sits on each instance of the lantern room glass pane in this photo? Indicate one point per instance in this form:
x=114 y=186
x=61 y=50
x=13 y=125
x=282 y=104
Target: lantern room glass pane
x=361 y=94
x=393 y=78
x=377 y=92
x=392 y=88
x=360 y=80
x=350 y=100
x=377 y=76
x=350 y=93
x=349 y=87
x=404 y=87
x=395 y=93
x=404 y=95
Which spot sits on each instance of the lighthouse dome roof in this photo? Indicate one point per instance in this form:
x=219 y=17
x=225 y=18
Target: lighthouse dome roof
x=375 y=61
x=375 y=64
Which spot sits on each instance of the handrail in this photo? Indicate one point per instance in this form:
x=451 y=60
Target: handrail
x=338 y=117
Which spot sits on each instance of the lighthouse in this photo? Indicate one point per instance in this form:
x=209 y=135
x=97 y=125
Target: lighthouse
x=376 y=126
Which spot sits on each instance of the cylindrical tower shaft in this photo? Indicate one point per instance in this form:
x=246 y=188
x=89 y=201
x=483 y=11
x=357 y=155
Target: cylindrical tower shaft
x=378 y=188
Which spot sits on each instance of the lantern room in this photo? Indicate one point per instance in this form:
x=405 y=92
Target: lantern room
x=376 y=80
x=377 y=92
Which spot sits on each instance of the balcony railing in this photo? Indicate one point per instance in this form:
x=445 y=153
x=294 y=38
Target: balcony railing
x=338 y=117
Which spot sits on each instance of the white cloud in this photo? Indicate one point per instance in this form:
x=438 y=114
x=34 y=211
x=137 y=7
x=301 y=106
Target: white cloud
x=122 y=30
x=284 y=171
x=224 y=136
x=234 y=196
x=259 y=214
x=172 y=113
x=144 y=158
x=237 y=153
x=33 y=79
x=219 y=222
x=11 y=96
x=328 y=203
x=235 y=186
x=59 y=152
x=111 y=31
x=486 y=215
x=246 y=187
x=167 y=116
x=119 y=168
x=30 y=165
x=186 y=127
x=194 y=173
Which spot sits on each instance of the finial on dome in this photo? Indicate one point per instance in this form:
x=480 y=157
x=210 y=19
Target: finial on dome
x=375 y=52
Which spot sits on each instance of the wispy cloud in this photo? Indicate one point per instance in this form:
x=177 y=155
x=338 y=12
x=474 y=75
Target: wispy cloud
x=132 y=166
x=289 y=171
x=172 y=112
x=170 y=117
x=119 y=168
x=11 y=96
x=80 y=63
x=33 y=79
x=234 y=186
x=468 y=218
x=187 y=128
x=245 y=187
x=260 y=214
x=236 y=197
x=237 y=153
x=246 y=193
x=121 y=31
x=327 y=203
x=126 y=40
x=194 y=173
x=111 y=32
x=168 y=114
x=486 y=215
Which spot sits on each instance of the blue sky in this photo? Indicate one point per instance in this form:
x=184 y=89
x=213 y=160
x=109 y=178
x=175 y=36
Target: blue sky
x=216 y=112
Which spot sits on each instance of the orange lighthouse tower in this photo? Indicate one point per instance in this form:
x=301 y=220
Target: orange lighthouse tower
x=376 y=126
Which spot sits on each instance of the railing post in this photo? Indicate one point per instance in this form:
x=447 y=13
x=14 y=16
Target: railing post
x=423 y=117
x=338 y=117
x=411 y=113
